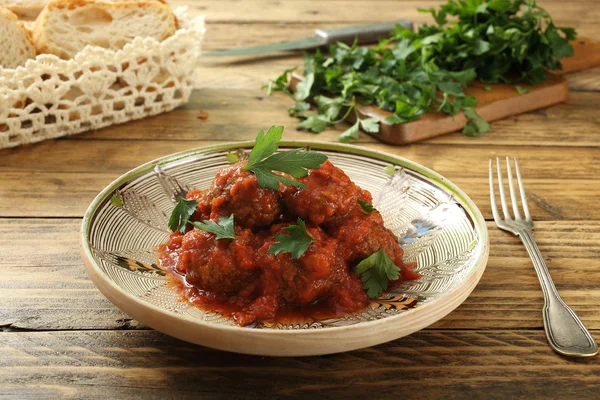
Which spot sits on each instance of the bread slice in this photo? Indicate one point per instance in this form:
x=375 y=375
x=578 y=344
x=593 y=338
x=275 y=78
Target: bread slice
x=15 y=42
x=26 y=10
x=65 y=27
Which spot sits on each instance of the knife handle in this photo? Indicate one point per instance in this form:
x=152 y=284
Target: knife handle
x=370 y=33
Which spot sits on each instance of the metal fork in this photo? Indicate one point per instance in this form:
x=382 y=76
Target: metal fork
x=565 y=331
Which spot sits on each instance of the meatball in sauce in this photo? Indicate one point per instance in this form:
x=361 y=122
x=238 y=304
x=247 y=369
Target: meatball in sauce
x=242 y=279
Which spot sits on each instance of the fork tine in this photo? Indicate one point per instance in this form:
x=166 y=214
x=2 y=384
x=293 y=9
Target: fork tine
x=493 y=195
x=522 y=190
x=511 y=187
x=501 y=189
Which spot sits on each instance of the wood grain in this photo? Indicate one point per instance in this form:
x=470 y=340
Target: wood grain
x=381 y=10
x=239 y=114
x=549 y=199
x=145 y=364
x=490 y=347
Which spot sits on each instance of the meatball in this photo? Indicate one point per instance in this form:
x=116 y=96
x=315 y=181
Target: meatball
x=236 y=191
x=318 y=274
x=329 y=194
x=220 y=266
x=361 y=234
x=304 y=280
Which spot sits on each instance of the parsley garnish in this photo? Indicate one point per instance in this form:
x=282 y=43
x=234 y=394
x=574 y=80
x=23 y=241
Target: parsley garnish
x=368 y=208
x=262 y=162
x=413 y=73
x=522 y=90
x=184 y=209
x=375 y=271
x=181 y=213
x=297 y=242
x=223 y=230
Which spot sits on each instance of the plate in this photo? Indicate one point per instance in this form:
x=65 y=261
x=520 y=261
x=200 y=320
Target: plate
x=438 y=226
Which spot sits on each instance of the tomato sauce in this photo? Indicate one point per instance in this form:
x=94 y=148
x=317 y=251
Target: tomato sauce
x=240 y=279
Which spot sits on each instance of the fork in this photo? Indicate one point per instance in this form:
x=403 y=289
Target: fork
x=565 y=332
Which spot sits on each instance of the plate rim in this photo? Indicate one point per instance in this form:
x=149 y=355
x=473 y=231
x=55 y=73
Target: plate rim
x=113 y=290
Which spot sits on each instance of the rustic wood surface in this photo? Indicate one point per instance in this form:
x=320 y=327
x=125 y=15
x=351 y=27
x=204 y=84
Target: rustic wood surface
x=60 y=338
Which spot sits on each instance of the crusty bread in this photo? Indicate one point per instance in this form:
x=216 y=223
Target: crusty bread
x=66 y=26
x=28 y=10
x=15 y=42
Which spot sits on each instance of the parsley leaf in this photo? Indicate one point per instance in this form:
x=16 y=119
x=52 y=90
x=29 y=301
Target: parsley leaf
x=296 y=243
x=280 y=83
x=303 y=88
x=298 y=107
x=264 y=145
x=181 y=213
x=368 y=208
x=223 y=230
x=262 y=161
x=413 y=73
x=232 y=157
x=476 y=124
x=375 y=271
x=522 y=90
x=487 y=88
x=315 y=123
x=349 y=134
x=116 y=201
x=370 y=125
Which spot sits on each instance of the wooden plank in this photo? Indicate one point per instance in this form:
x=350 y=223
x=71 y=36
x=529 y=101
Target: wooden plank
x=579 y=14
x=549 y=199
x=43 y=194
x=146 y=364
x=227 y=35
x=116 y=157
x=44 y=287
x=239 y=114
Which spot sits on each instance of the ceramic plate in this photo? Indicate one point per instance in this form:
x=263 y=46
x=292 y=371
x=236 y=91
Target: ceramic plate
x=438 y=226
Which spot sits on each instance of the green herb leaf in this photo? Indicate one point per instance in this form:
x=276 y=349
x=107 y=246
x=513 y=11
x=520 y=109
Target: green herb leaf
x=232 y=157
x=522 y=90
x=315 y=123
x=296 y=243
x=476 y=124
x=368 y=208
x=181 y=213
x=298 y=107
x=223 y=230
x=294 y=162
x=264 y=145
x=116 y=201
x=375 y=273
x=262 y=161
x=280 y=83
x=370 y=125
x=487 y=88
x=303 y=87
x=349 y=134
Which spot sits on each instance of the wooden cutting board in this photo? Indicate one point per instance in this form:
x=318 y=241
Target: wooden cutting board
x=501 y=102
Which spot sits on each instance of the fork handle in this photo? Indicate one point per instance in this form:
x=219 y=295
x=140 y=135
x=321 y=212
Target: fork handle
x=565 y=331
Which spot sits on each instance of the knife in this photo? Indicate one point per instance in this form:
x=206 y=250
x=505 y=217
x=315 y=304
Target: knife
x=370 y=33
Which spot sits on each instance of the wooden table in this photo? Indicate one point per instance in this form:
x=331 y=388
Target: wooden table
x=61 y=338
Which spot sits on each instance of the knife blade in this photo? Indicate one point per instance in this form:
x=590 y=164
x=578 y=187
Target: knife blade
x=370 y=33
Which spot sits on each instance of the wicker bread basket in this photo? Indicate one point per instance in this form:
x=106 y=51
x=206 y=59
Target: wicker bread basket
x=49 y=97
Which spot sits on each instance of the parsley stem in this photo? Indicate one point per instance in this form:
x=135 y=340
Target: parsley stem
x=351 y=107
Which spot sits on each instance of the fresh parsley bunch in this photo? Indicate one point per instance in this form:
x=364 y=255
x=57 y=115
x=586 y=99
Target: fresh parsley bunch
x=413 y=73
